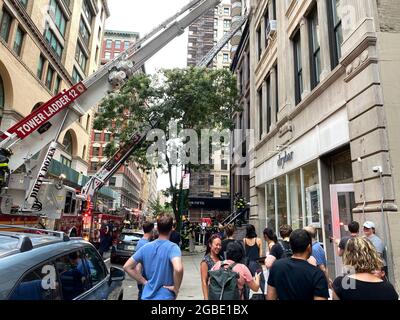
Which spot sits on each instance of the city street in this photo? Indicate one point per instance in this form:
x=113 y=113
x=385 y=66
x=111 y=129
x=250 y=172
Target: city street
x=191 y=284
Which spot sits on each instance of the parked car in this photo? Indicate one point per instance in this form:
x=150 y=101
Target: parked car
x=48 y=265
x=125 y=246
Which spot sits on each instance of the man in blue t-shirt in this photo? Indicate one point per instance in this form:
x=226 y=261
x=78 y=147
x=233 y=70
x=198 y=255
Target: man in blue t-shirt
x=147 y=237
x=162 y=264
x=318 y=252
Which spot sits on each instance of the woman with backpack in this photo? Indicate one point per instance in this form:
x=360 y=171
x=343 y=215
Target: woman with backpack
x=210 y=259
x=235 y=256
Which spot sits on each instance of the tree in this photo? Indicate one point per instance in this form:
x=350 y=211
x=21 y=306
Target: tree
x=193 y=98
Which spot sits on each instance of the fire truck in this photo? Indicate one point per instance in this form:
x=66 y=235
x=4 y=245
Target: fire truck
x=31 y=143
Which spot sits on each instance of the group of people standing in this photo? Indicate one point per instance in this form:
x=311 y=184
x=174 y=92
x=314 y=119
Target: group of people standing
x=295 y=266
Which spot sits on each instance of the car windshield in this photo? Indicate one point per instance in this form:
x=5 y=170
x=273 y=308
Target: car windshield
x=131 y=237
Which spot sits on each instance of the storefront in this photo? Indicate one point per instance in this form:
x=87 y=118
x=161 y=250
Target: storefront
x=310 y=183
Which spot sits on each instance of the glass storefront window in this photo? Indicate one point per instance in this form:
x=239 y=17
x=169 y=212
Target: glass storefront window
x=296 y=215
x=270 y=193
x=282 y=203
x=312 y=194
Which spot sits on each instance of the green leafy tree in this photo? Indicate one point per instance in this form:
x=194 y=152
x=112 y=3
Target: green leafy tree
x=195 y=98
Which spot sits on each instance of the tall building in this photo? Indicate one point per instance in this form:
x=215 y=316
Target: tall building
x=209 y=189
x=116 y=42
x=206 y=31
x=324 y=110
x=127 y=182
x=47 y=46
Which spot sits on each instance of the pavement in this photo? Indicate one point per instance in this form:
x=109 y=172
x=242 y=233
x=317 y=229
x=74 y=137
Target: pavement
x=191 y=283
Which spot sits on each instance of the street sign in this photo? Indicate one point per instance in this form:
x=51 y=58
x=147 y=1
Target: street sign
x=186 y=181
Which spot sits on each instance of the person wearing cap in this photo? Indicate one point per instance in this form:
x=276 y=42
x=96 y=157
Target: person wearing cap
x=369 y=232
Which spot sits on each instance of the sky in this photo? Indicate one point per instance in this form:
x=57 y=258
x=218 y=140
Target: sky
x=142 y=16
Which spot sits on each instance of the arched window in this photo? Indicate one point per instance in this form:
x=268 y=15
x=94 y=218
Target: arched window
x=68 y=142
x=2 y=94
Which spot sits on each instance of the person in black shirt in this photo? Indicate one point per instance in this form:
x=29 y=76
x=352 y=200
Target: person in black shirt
x=175 y=237
x=365 y=284
x=354 y=229
x=275 y=249
x=294 y=278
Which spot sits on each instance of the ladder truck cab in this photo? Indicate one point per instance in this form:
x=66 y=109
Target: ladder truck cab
x=32 y=142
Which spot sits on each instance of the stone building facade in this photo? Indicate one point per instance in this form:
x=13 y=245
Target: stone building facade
x=45 y=47
x=324 y=114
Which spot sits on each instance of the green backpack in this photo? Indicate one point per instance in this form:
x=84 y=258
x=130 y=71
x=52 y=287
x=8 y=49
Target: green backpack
x=223 y=283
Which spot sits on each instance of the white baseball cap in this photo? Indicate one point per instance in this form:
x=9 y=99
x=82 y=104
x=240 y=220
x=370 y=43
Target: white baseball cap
x=369 y=225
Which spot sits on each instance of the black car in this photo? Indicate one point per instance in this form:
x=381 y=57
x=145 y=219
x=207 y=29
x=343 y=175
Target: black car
x=49 y=265
x=126 y=245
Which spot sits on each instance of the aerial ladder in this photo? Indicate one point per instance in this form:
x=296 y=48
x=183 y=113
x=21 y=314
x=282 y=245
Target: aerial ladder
x=33 y=140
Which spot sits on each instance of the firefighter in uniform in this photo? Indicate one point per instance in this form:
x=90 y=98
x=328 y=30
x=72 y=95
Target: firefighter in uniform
x=5 y=155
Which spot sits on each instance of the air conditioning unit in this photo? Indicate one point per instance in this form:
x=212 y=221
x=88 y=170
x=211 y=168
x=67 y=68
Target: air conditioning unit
x=272 y=28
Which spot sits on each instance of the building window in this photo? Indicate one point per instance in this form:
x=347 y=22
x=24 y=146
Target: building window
x=68 y=143
x=282 y=201
x=224 y=181
x=49 y=77
x=96 y=151
x=76 y=77
x=88 y=123
x=336 y=34
x=107 y=55
x=225 y=57
x=271 y=214
x=227 y=24
x=53 y=41
x=84 y=33
x=215 y=34
x=315 y=49
x=57 y=85
x=260 y=112
x=117 y=44
x=227 y=12
x=58 y=16
x=276 y=94
x=211 y=180
x=84 y=153
x=259 y=48
x=5 y=25
x=224 y=165
x=127 y=44
x=66 y=162
x=87 y=12
x=108 y=44
x=80 y=57
x=19 y=38
x=113 y=182
x=295 y=200
x=107 y=137
x=298 y=67
x=93 y=166
x=2 y=94
x=24 y=3
x=97 y=136
x=40 y=69
x=269 y=104
x=267 y=27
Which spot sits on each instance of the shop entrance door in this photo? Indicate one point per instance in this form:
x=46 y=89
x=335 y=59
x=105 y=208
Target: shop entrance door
x=342 y=205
